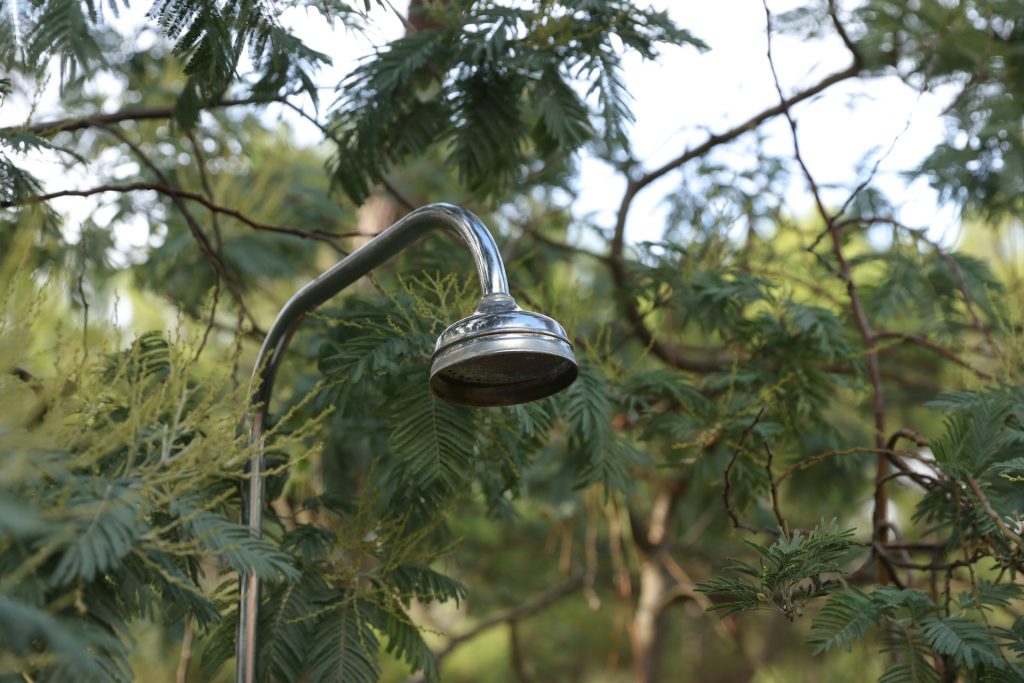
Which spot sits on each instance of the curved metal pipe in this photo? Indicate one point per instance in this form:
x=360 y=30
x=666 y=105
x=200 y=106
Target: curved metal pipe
x=410 y=228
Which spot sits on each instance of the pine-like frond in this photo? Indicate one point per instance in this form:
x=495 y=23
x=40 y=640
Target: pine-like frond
x=405 y=641
x=641 y=389
x=968 y=642
x=286 y=621
x=588 y=407
x=108 y=532
x=974 y=436
x=610 y=463
x=790 y=572
x=433 y=441
x=235 y=544
x=344 y=647
x=61 y=28
x=83 y=651
x=362 y=359
x=173 y=582
x=489 y=131
x=987 y=595
x=533 y=419
x=844 y=619
x=910 y=658
x=16 y=184
x=564 y=120
x=819 y=328
x=613 y=98
x=486 y=78
x=423 y=583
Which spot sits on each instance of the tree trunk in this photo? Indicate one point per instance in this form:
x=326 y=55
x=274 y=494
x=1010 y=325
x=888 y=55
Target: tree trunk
x=646 y=628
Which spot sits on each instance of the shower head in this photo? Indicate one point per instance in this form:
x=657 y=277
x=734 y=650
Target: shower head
x=502 y=355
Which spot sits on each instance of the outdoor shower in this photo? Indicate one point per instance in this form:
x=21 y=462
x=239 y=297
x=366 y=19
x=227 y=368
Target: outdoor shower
x=500 y=355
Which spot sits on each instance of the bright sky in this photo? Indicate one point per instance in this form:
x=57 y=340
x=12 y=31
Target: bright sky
x=686 y=95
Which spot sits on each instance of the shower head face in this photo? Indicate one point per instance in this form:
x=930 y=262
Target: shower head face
x=502 y=355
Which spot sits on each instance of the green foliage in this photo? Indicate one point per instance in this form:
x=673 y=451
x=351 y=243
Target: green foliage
x=980 y=167
x=208 y=36
x=113 y=512
x=234 y=543
x=909 y=658
x=791 y=571
x=100 y=546
x=965 y=640
x=16 y=183
x=848 y=614
x=424 y=584
x=433 y=443
x=497 y=85
x=346 y=649
x=977 y=434
x=913 y=627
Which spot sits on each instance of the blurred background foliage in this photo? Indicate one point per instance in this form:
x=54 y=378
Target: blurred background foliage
x=813 y=418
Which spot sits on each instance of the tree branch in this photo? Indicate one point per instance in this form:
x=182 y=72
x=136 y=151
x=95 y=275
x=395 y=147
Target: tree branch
x=728 y=480
x=174 y=192
x=825 y=455
x=987 y=506
x=54 y=126
x=216 y=260
x=773 y=487
x=616 y=261
x=926 y=343
x=512 y=615
x=879 y=514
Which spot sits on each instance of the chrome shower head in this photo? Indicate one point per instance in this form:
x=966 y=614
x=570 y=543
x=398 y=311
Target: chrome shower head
x=502 y=355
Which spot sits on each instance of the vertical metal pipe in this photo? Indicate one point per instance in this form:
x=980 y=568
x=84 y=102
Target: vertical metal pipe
x=493 y=280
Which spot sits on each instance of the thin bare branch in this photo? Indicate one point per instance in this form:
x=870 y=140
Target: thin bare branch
x=512 y=615
x=826 y=455
x=727 y=487
x=54 y=126
x=924 y=342
x=879 y=514
x=783 y=526
x=216 y=260
x=174 y=192
x=904 y=433
x=994 y=516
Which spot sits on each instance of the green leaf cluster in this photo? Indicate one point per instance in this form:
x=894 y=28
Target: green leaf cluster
x=118 y=495
x=501 y=86
x=790 y=572
x=209 y=37
x=913 y=627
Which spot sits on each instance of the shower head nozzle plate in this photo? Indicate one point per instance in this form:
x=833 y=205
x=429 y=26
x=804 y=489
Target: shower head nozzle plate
x=502 y=355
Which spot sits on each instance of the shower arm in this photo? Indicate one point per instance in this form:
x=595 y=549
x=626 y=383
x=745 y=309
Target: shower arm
x=379 y=249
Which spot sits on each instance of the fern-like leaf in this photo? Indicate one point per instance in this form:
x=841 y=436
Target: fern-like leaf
x=236 y=545
x=424 y=584
x=965 y=640
x=909 y=662
x=405 y=641
x=345 y=648
x=108 y=534
x=433 y=440
x=844 y=619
